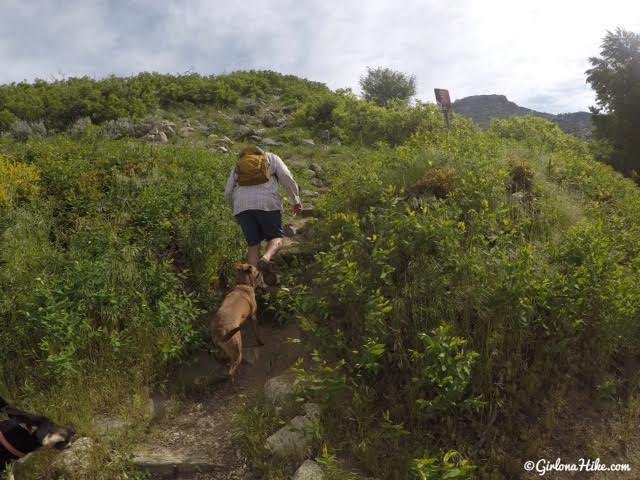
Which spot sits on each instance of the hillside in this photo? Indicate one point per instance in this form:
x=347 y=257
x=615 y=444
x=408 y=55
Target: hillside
x=462 y=300
x=484 y=108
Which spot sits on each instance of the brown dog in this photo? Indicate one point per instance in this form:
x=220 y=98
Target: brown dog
x=237 y=307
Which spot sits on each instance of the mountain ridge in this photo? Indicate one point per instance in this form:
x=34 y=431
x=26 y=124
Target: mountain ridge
x=484 y=108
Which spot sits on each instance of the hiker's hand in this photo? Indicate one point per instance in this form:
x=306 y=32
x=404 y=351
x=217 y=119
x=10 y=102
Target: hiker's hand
x=297 y=209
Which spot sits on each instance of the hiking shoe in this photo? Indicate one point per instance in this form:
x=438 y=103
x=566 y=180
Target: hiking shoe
x=266 y=267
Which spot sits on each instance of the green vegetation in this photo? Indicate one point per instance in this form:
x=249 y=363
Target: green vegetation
x=383 y=85
x=61 y=103
x=464 y=286
x=461 y=288
x=615 y=77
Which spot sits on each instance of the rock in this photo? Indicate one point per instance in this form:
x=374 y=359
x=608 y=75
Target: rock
x=308 y=141
x=289 y=108
x=108 y=426
x=282 y=122
x=186 y=131
x=255 y=138
x=223 y=149
x=312 y=411
x=270 y=141
x=310 y=172
x=316 y=182
x=277 y=389
x=224 y=141
x=165 y=463
x=309 y=193
x=156 y=136
x=309 y=470
x=316 y=168
x=248 y=106
x=270 y=119
x=244 y=131
x=292 y=440
x=139 y=130
x=77 y=457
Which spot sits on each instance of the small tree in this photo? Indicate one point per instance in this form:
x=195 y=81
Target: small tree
x=615 y=77
x=382 y=85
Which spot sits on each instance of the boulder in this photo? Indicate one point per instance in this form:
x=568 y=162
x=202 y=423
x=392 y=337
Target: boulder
x=316 y=168
x=292 y=440
x=248 y=106
x=159 y=137
x=309 y=470
x=270 y=119
x=277 y=389
x=270 y=142
x=312 y=411
x=109 y=426
x=308 y=141
x=282 y=122
x=186 y=131
x=77 y=458
x=244 y=131
x=289 y=108
x=316 y=182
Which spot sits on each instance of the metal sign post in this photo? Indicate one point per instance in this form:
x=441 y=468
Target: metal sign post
x=444 y=102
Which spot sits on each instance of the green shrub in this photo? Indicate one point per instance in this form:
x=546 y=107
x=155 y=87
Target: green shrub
x=7 y=119
x=110 y=252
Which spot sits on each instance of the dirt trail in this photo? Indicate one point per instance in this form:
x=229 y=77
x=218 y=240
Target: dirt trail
x=198 y=440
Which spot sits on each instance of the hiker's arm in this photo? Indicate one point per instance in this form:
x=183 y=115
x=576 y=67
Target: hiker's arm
x=286 y=179
x=231 y=184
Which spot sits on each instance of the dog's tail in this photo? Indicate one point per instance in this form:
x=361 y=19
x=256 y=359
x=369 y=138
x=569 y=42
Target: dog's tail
x=230 y=334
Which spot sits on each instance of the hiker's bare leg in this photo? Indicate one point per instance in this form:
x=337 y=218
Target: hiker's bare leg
x=272 y=248
x=253 y=254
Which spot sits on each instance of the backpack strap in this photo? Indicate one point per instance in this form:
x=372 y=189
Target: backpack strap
x=271 y=167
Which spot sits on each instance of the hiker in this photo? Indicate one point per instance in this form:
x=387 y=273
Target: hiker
x=253 y=192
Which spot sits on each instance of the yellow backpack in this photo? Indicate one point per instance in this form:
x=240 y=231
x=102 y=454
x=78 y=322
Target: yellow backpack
x=252 y=167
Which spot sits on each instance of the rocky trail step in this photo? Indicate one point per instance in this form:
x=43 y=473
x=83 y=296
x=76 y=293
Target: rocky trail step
x=198 y=440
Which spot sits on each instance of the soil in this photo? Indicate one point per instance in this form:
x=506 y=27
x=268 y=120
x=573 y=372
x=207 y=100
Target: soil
x=198 y=441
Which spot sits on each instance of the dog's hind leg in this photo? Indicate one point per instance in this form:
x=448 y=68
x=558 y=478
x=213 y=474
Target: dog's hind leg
x=233 y=347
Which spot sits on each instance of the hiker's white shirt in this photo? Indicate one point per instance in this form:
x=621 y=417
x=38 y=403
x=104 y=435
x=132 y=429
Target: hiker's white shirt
x=265 y=196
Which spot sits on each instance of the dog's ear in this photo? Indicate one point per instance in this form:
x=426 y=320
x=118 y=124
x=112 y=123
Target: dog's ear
x=239 y=266
x=249 y=268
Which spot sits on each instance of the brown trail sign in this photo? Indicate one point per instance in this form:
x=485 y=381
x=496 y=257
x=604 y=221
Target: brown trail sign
x=444 y=102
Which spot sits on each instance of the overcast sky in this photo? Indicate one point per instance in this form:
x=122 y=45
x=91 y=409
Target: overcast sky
x=533 y=51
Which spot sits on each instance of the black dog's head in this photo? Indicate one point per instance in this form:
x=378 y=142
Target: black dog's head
x=41 y=428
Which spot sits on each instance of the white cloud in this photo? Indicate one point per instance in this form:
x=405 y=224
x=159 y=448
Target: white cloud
x=535 y=53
